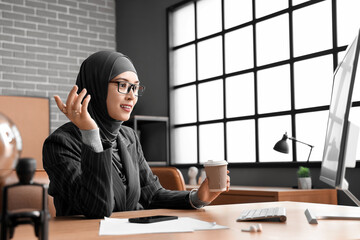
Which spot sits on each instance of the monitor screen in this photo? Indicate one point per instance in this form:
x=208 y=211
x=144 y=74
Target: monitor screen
x=335 y=149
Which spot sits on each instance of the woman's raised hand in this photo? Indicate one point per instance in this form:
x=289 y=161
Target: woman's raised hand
x=75 y=111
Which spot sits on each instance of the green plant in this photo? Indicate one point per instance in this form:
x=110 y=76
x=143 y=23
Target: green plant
x=303 y=172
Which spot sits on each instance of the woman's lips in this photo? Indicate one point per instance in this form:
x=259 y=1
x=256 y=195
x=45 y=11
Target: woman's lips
x=126 y=107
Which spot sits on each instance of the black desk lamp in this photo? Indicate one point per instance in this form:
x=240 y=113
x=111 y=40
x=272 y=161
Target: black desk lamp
x=283 y=147
x=25 y=170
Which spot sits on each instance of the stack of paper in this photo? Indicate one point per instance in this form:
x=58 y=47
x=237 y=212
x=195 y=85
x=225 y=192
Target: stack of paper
x=121 y=226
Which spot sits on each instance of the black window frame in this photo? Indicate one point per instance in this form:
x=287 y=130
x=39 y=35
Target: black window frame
x=292 y=112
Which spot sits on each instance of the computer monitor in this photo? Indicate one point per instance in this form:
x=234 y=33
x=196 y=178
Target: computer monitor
x=341 y=135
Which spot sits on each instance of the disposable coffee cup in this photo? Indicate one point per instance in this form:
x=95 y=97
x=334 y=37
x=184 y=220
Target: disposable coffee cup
x=216 y=172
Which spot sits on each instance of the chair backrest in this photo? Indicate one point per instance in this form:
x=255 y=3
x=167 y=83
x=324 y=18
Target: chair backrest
x=170 y=178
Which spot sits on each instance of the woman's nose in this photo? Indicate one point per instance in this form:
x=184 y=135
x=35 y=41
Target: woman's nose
x=131 y=94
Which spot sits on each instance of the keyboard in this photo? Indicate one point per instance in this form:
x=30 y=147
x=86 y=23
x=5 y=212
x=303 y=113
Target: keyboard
x=276 y=214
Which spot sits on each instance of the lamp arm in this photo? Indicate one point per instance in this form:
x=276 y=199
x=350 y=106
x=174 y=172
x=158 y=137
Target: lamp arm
x=294 y=139
x=311 y=146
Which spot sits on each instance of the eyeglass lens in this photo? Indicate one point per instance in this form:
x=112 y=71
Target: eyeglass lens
x=125 y=87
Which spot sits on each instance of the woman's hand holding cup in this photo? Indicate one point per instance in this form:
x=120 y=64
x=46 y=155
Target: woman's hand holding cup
x=217 y=181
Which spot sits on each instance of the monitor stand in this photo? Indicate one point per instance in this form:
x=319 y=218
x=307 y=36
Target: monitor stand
x=352 y=197
x=312 y=218
x=349 y=162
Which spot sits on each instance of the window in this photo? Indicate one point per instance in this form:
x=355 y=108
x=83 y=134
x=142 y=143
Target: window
x=242 y=73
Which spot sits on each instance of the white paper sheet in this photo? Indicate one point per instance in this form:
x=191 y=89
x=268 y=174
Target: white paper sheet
x=121 y=226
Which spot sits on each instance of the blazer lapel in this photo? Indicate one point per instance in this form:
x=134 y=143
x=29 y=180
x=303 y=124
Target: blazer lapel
x=127 y=156
x=119 y=191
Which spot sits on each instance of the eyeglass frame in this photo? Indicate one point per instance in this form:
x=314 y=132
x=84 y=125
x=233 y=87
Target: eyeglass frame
x=129 y=88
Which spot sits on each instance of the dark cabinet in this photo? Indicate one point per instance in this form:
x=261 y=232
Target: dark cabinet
x=153 y=132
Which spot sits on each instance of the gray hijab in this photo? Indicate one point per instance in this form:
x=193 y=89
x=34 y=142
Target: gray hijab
x=94 y=75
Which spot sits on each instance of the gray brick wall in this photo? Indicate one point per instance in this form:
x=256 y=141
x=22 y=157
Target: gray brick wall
x=43 y=43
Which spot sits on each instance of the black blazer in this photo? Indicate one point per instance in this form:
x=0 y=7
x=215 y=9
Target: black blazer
x=85 y=182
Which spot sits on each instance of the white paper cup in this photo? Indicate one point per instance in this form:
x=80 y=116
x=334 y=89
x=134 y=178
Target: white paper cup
x=216 y=172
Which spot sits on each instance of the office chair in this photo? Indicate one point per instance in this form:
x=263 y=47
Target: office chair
x=170 y=178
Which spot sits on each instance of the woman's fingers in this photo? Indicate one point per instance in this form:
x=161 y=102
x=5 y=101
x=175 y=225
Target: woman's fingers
x=60 y=104
x=85 y=103
x=77 y=104
x=76 y=111
x=71 y=97
x=73 y=102
x=228 y=184
x=58 y=101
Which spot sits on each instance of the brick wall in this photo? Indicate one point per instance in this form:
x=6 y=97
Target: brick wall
x=43 y=43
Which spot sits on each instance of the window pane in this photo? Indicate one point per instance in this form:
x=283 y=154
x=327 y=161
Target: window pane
x=184 y=145
x=354 y=117
x=313 y=82
x=271 y=131
x=239 y=50
x=183 y=25
x=312 y=28
x=240 y=95
x=210 y=58
x=274 y=89
x=241 y=141
x=237 y=12
x=194 y=104
x=211 y=142
x=273 y=40
x=211 y=104
x=184 y=65
x=266 y=7
x=184 y=105
x=311 y=129
x=341 y=56
x=348 y=19
x=208 y=17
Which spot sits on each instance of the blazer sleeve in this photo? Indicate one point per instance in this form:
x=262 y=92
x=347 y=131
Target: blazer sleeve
x=155 y=196
x=78 y=176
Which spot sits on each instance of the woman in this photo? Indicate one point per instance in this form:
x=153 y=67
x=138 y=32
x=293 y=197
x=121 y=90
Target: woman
x=96 y=165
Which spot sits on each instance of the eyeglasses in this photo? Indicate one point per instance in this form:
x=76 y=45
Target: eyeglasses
x=125 y=87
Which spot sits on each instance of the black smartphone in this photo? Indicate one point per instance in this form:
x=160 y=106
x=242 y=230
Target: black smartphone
x=152 y=219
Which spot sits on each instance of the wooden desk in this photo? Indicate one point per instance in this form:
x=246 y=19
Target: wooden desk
x=296 y=226
x=242 y=194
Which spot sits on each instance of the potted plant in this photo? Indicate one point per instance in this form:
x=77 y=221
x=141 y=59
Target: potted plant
x=304 y=179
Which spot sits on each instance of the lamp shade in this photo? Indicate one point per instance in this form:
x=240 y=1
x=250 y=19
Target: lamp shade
x=282 y=145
